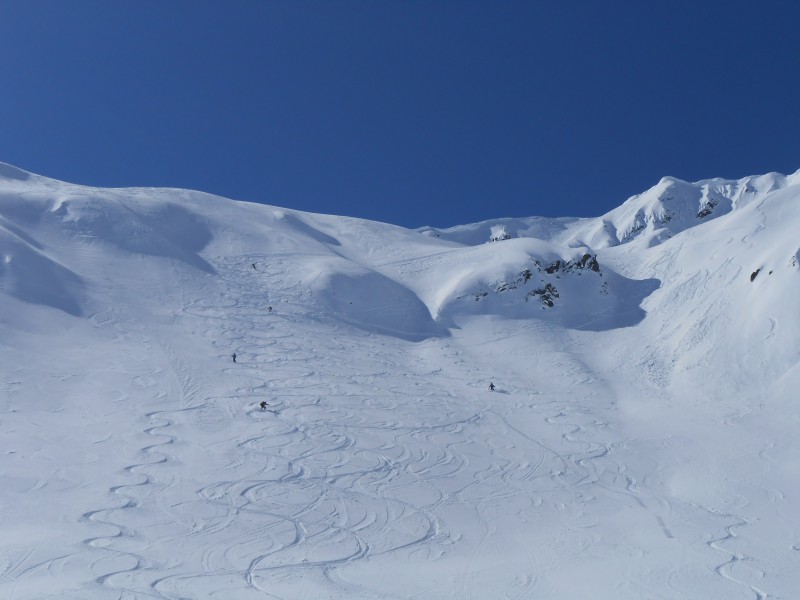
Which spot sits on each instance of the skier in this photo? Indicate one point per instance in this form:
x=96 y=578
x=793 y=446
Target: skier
x=263 y=405
x=233 y=356
x=254 y=266
x=269 y=309
x=491 y=386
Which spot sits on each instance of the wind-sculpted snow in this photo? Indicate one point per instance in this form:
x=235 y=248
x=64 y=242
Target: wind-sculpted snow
x=369 y=300
x=137 y=224
x=640 y=441
x=29 y=274
x=521 y=279
x=296 y=224
x=10 y=172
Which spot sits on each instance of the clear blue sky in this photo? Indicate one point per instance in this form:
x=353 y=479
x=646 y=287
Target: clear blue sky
x=415 y=113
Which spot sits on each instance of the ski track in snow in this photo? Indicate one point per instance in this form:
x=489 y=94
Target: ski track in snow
x=637 y=451
x=318 y=486
x=385 y=469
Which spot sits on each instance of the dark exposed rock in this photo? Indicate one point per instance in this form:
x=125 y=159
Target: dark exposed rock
x=707 y=209
x=545 y=294
x=522 y=277
x=553 y=268
x=509 y=285
x=588 y=261
x=500 y=238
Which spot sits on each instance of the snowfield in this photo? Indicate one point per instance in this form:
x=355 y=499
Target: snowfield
x=641 y=443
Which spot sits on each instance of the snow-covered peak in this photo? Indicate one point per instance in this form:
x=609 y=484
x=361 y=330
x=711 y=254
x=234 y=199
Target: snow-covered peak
x=232 y=400
x=646 y=219
x=674 y=205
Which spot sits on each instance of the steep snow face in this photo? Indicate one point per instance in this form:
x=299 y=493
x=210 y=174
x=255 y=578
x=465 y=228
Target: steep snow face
x=30 y=275
x=645 y=367
x=368 y=299
x=673 y=206
x=730 y=283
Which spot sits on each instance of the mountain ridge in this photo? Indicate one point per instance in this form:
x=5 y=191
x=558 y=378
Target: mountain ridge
x=644 y=398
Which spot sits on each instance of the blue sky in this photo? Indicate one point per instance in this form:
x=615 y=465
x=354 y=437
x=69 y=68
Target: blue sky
x=410 y=112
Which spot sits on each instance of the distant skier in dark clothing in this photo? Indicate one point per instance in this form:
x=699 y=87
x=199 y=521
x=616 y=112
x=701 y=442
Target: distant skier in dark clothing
x=269 y=309
x=254 y=266
x=491 y=386
x=233 y=356
x=263 y=405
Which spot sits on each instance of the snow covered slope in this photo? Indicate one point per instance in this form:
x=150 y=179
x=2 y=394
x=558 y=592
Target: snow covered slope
x=641 y=441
